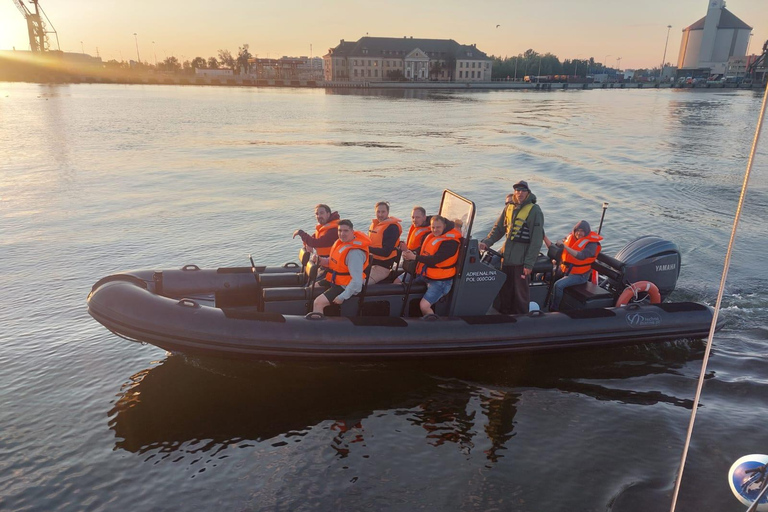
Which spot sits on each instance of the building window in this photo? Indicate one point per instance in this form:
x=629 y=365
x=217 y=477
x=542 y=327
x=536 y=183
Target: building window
x=375 y=72
x=369 y=72
x=473 y=74
x=461 y=74
x=375 y=63
x=473 y=65
x=369 y=62
x=355 y=72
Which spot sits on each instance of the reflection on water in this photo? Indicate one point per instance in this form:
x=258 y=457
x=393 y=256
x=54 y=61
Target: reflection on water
x=199 y=406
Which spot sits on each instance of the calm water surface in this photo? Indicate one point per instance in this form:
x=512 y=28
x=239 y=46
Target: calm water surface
x=96 y=179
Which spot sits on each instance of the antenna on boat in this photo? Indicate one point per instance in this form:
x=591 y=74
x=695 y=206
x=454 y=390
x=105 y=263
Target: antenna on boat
x=605 y=207
x=716 y=312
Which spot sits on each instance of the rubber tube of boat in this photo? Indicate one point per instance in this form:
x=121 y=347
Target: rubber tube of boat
x=605 y=207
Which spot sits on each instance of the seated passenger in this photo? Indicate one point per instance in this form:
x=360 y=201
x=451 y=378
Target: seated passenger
x=326 y=231
x=384 y=233
x=346 y=263
x=417 y=233
x=580 y=249
x=436 y=263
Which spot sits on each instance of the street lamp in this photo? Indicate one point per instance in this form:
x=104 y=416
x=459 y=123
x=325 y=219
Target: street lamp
x=605 y=59
x=82 y=49
x=664 y=58
x=539 y=75
x=136 y=38
x=618 y=63
x=576 y=65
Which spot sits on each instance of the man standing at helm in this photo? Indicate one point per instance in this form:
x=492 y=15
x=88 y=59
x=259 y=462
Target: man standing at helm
x=521 y=223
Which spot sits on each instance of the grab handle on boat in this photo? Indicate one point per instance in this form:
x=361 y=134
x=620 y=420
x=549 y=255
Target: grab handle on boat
x=188 y=303
x=535 y=313
x=430 y=317
x=632 y=307
x=291 y=264
x=190 y=267
x=314 y=315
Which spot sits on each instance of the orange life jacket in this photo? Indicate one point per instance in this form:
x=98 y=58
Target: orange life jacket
x=446 y=268
x=572 y=265
x=322 y=229
x=376 y=234
x=416 y=237
x=338 y=271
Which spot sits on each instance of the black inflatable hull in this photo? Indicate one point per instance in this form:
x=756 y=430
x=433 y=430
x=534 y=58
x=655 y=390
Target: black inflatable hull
x=127 y=306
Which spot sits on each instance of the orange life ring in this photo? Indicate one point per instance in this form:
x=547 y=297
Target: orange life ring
x=633 y=289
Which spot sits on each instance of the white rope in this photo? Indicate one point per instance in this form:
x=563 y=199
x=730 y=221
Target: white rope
x=719 y=301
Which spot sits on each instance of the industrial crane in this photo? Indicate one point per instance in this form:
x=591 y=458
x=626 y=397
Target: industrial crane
x=38 y=32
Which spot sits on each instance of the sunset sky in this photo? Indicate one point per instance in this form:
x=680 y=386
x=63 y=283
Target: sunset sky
x=634 y=31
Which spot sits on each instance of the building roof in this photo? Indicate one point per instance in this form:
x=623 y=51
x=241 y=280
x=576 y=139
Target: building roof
x=396 y=47
x=727 y=20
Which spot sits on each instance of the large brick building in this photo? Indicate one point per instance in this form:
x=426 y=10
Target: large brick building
x=372 y=59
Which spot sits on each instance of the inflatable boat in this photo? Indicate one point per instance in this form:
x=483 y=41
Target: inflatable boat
x=262 y=312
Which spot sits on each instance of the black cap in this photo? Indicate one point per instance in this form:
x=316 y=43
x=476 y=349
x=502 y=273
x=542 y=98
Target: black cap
x=521 y=185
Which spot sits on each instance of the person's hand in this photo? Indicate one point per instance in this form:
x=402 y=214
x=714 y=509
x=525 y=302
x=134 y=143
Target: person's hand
x=526 y=272
x=314 y=258
x=482 y=246
x=296 y=233
x=403 y=247
x=338 y=300
x=547 y=241
x=409 y=255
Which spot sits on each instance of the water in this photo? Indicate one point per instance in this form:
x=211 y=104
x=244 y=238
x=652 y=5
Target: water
x=96 y=179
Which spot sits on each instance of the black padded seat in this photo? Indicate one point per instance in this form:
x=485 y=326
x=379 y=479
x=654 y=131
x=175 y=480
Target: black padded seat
x=282 y=279
x=293 y=293
x=543 y=265
x=587 y=291
x=379 y=290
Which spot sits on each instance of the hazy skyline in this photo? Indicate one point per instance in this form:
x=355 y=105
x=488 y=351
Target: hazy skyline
x=635 y=32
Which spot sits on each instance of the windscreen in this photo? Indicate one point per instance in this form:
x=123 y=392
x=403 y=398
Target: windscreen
x=458 y=209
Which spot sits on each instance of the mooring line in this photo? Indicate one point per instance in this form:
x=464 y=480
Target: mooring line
x=726 y=265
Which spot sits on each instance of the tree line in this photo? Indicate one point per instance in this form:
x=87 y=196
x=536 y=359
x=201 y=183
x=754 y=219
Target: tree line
x=224 y=59
x=532 y=63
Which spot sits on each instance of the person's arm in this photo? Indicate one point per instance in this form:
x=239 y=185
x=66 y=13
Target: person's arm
x=446 y=250
x=326 y=240
x=497 y=231
x=388 y=241
x=355 y=262
x=588 y=252
x=537 y=237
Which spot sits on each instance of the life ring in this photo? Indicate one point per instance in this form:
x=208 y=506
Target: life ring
x=632 y=291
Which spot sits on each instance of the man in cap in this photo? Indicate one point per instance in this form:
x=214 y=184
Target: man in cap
x=521 y=223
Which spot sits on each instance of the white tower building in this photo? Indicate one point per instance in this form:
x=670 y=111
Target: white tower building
x=712 y=40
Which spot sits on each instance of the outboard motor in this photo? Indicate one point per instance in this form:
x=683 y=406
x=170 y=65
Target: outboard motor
x=649 y=258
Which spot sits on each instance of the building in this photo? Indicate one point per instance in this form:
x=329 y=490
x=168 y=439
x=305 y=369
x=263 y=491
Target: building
x=713 y=40
x=214 y=73
x=391 y=58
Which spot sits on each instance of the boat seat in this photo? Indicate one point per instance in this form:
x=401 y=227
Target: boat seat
x=282 y=279
x=587 y=291
x=287 y=278
x=543 y=265
x=379 y=290
x=291 y=293
x=310 y=288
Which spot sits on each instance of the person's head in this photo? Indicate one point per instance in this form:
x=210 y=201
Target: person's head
x=419 y=216
x=382 y=210
x=581 y=229
x=521 y=191
x=346 y=230
x=322 y=213
x=437 y=223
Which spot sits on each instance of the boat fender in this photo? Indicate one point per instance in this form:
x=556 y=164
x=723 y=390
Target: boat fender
x=314 y=315
x=188 y=303
x=631 y=292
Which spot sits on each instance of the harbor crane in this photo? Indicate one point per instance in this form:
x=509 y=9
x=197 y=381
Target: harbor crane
x=36 y=26
x=761 y=61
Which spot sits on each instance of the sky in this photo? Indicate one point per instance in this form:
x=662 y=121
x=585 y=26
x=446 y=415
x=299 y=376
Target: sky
x=634 y=31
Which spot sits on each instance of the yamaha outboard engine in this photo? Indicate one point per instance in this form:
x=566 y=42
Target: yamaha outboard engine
x=649 y=258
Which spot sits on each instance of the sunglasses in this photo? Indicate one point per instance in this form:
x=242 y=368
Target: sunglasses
x=521 y=190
